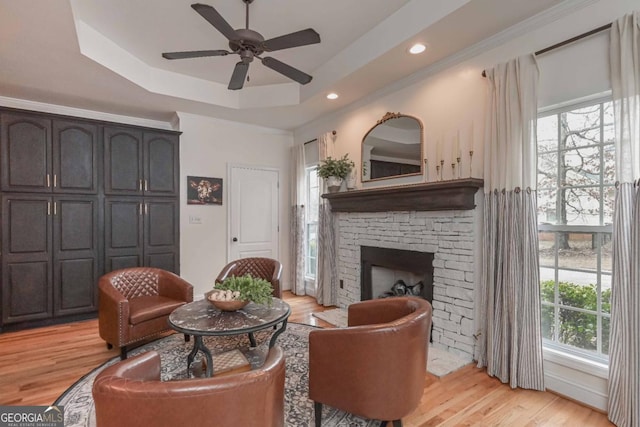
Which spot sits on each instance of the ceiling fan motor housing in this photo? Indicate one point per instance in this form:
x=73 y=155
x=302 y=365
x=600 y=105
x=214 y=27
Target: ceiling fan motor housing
x=247 y=40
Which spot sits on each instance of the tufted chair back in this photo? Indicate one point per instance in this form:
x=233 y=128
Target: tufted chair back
x=136 y=282
x=263 y=268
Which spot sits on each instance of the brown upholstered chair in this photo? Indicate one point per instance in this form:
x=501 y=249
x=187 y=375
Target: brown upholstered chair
x=263 y=268
x=376 y=367
x=135 y=304
x=130 y=393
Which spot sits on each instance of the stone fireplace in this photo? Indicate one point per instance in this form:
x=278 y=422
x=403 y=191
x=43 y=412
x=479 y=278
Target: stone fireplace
x=446 y=234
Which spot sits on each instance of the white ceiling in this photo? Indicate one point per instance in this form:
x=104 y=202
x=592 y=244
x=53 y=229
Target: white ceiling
x=105 y=55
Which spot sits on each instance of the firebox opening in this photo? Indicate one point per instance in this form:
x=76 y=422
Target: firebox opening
x=382 y=268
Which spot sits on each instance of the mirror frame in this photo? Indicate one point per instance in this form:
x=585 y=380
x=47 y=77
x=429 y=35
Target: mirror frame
x=386 y=118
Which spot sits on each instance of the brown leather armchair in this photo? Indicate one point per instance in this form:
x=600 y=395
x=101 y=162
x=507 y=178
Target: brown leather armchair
x=135 y=304
x=263 y=268
x=376 y=367
x=130 y=393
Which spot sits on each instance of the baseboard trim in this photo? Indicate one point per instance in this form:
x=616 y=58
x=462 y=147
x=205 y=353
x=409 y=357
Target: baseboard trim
x=577 y=392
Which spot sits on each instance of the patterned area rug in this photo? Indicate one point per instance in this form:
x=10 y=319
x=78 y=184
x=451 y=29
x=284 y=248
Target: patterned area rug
x=79 y=407
x=440 y=362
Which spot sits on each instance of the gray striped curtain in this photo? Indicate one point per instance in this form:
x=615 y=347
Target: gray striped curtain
x=624 y=338
x=327 y=278
x=624 y=349
x=510 y=341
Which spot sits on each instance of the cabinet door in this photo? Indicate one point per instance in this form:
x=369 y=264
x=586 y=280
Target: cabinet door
x=161 y=164
x=75 y=254
x=26 y=260
x=75 y=157
x=123 y=229
x=161 y=237
x=26 y=152
x=122 y=161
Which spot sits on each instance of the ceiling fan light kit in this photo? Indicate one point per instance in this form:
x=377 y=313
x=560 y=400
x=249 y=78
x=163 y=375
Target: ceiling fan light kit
x=249 y=44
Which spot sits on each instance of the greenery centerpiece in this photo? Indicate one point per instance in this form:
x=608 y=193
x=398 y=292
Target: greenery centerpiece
x=335 y=170
x=242 y=288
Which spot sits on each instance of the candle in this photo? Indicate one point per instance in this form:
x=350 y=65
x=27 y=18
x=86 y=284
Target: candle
x=454 y=147
x=471 y=138
x=438 y=150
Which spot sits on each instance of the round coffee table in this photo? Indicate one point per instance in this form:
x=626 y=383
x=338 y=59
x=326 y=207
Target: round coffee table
x=201 y=318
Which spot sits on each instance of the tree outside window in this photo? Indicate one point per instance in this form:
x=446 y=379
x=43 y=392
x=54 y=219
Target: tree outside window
x=576 y=176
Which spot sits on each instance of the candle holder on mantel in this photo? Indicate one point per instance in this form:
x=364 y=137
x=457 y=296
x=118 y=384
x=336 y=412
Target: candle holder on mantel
x=470 y=163
x=437 y=172
x=458 y=159
x=426 y=171
x=453 y=170
x=441 y=170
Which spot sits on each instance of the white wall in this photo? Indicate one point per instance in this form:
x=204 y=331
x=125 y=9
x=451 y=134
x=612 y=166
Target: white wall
x=453 y=99
x=207 y=146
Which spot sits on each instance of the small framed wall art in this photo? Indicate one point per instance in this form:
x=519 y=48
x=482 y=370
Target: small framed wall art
x=204 y=191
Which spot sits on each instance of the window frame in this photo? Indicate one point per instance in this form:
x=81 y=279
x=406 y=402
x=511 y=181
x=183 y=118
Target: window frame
x=311 y=169
x=599 y=231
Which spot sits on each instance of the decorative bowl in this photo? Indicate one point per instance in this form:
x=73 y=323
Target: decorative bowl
x=232 y=305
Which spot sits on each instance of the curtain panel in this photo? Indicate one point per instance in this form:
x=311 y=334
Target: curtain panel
x=624 y=350
x=298 y=198
x=327 y=278
x=510 y=341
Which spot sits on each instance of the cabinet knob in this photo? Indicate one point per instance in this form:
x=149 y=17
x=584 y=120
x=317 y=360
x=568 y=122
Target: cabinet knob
x=235 y=239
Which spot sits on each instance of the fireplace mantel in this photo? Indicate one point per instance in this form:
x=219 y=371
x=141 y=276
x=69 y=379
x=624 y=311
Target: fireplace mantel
x=457 y=194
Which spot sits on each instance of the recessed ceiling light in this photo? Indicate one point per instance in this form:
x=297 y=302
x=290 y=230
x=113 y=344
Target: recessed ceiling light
x=417 y=48
x=332 y=95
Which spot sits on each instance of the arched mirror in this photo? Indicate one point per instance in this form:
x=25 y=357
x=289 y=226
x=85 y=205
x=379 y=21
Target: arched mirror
x=392 y=148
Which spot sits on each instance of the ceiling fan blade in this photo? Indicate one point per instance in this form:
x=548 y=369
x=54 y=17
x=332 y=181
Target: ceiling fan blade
x=215 y=19
x=194 y=54
x=299 y=38
x=287 y=70
x=238 y=76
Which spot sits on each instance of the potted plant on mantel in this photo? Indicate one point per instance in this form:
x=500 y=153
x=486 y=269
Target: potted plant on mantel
x=335 y=171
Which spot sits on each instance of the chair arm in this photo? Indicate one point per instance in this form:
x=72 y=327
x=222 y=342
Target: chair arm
x=142 y=367
x=275 y=280
x=173 y=286
x=113 y=313
x=225 y=272
x=383 y=310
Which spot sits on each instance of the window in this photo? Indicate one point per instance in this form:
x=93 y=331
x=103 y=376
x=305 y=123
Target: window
x=576 y=177
x=311 y=223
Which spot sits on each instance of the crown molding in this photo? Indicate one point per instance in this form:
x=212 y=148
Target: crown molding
x=532 y=23
x=24 y=104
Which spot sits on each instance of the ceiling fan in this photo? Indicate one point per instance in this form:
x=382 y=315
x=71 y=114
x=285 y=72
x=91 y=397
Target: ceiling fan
x=250 y=44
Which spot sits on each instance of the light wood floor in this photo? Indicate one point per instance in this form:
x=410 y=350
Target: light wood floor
x=38 y=365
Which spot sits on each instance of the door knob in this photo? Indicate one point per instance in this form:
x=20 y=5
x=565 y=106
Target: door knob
x=235 y=239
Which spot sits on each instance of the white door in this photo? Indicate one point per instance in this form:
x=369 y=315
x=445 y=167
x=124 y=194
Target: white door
x=253 y=212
